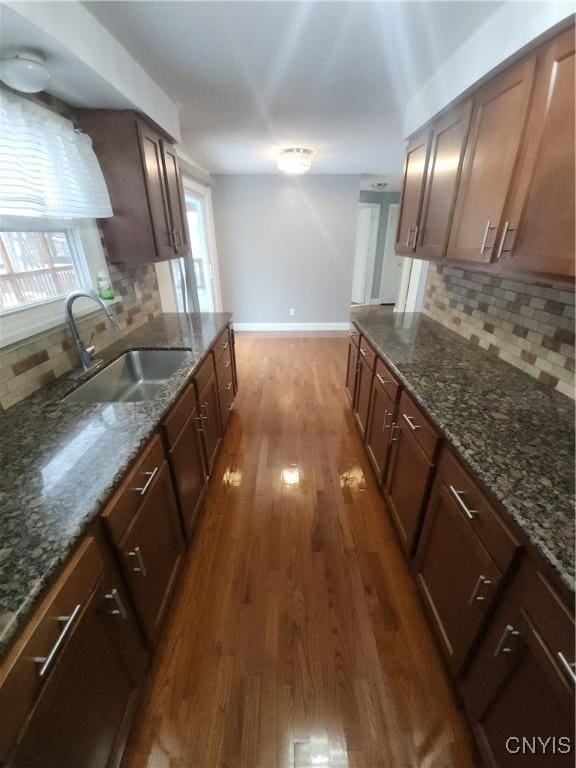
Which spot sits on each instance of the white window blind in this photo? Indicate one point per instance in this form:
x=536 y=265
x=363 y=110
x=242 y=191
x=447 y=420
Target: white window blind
x=48 y=169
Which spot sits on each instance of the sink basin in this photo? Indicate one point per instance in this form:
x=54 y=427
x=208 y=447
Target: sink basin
x=135 y=376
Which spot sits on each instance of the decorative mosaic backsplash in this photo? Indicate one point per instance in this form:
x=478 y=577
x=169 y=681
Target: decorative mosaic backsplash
x=530 y=326
x=32 y=363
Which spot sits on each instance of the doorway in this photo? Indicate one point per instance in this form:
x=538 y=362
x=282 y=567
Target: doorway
x=368 y=222
x=391 y=262
x=196 y=278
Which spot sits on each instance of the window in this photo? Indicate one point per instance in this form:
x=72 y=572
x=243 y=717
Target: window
x=39 y=266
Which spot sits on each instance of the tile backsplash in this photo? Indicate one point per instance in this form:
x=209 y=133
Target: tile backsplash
x=32 y=363
x=529 y=325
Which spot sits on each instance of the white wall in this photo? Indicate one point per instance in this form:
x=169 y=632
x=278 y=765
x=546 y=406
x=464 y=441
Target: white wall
x=286 y=242
x=512 y=27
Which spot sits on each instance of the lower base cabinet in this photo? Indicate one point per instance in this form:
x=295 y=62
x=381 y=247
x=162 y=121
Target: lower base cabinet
x=81 y=685
x=186 y=458
x=519 y=690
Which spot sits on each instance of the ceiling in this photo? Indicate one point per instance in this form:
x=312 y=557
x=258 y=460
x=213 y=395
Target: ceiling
x=251 y=78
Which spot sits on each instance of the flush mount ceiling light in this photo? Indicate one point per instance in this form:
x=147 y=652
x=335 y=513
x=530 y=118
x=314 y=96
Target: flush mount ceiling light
x=25 y=71
x=295 y=160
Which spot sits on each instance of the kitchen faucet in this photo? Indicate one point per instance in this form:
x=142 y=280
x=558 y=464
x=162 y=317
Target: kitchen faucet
x=84 y=353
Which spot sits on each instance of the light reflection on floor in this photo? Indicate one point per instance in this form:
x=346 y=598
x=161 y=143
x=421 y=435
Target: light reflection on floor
x=353 y=478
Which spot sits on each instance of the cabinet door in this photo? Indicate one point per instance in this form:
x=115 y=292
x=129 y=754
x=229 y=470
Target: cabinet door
x=456 y=575
x=539 y=234
x=363 y=389
x=151 y=149
x=412 y=192
x=352 y=371
x=516 y=688
x=175 y=196
x=187 y=461
x=379 y=427
x=497 y=125
x=83 y=715
x=209 y=408
x=407 y=483
x=443 y=171
x=151 y=552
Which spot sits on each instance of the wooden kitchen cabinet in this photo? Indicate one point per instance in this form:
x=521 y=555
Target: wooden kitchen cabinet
x=447 y=143
x=366 y=362
x=186 y=459
x=538 y=234
x=352 y=365
x=141 y=171
x=143 y=525
x=521 y=680
x=206 y=385
x=381 y=417
x=224 y=362
x=410 y=468
x=77 y=704
x=496 y=130
x=415 y=162
x=462 y=554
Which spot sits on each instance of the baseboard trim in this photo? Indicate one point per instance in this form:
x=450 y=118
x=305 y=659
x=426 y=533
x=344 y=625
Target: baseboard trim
x=291 y=326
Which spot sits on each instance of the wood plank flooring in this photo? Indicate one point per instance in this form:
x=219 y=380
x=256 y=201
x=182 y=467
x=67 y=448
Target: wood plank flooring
x=297 y=638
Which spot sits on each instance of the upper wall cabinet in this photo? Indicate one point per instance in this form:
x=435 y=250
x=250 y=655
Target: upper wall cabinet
x=538 y=229
x=498 y=119
x=412 y=191
x=497 y=190
x=141 y=170
x=444 y=164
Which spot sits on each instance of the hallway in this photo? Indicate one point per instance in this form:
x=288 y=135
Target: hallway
x=297 y=638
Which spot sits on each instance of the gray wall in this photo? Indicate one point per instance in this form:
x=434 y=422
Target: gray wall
x=385 y=199
x=286 y=242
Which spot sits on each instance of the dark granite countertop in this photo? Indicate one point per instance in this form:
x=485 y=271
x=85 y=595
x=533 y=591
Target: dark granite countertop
x=61 y=460
x=515 y=435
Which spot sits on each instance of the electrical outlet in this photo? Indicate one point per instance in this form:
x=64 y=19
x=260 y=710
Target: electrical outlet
x=292 y=312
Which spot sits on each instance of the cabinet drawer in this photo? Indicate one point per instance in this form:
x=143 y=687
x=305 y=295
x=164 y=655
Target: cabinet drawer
x=475 y=509
x=179 y=415
x=222 y=346
x=425 y=434
x=367 y=353
x=125 y=502
x=22 y=677
x=354 y=335
x=387 y=379
x=204 y=373
x=551 y=619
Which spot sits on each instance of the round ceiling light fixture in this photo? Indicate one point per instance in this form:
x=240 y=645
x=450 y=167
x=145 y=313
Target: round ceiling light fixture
x=295 y=160
x=25 y=71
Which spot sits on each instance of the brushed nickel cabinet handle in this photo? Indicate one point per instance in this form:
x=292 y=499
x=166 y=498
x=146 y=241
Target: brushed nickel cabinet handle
x=148 y=483
x=484 y=245
x=225 y=346
x=395 y=428
x=141 y=567
x=568 y=668
x=505 y=232
x=198 y=419
x=385 y=422
x=227 y=388
x=410 y=421
x=408 y=236
x=470 y=513
x=415 y=242
x=120 y=609
x=476 y=597
x=381 y=380
x=68 y=622
x=508 y=633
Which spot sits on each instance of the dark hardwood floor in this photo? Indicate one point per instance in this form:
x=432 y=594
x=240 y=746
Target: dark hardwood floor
x=297 y=638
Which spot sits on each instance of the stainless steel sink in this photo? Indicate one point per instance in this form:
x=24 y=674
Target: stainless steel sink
x=135 y=376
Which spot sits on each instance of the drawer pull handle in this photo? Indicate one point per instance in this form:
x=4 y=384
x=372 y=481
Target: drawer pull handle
x=225 y=346
x=148 y=483
x=227 y=388
x=363 y=352
x=385 y=422
x=476 y=597
x=226 y=364
x=381 y=380
x=410 y=421
x=198 y=419
x=470 y=513
x=509 y=632
x=408 y=236
x=68 y=621
x=120 y=609
x=141 y=567
x=415 y=241
x=569 y=668
x=395 y=428
x=489 y=226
